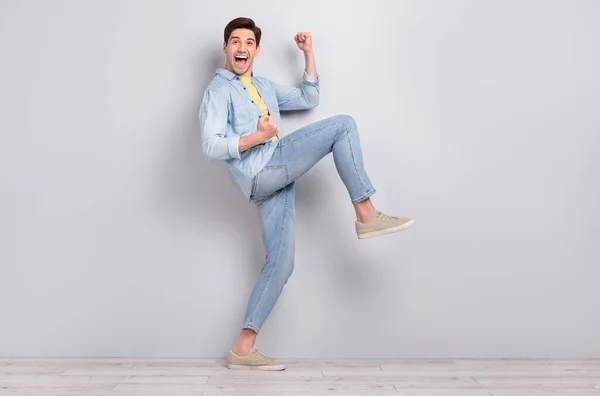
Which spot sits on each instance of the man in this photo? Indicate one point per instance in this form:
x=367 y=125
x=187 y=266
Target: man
x=239 y=119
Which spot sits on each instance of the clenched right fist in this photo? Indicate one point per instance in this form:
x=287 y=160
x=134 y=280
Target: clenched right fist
x=266 y=127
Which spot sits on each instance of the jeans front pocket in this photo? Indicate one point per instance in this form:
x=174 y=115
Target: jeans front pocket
x=269 y=180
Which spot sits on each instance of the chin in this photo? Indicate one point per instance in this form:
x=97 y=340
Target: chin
x=240 y=72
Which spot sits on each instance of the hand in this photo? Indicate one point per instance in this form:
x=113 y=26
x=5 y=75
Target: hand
x=266 y=127
x=304 y=41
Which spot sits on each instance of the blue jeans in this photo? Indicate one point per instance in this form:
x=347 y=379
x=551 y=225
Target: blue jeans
x=273 y=194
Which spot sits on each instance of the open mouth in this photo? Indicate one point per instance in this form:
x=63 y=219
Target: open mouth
x=240 y=60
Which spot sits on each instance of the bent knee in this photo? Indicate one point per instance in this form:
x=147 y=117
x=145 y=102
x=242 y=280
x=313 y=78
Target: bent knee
x=288 y=268
x=345 y=119
x=347 y=122
x=347 y=125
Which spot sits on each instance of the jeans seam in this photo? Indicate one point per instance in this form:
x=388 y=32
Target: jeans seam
x=270 y=274
x=362 y=183
x=327 y=125
x=364 y=196
x=250 y=326
x=259 y=201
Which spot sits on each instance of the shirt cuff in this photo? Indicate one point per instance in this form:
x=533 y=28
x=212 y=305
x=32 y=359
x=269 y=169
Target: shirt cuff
x=307 y=78
x=233 y=146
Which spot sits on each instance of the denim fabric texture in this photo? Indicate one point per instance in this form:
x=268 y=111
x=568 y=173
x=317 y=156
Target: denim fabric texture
x=267 y=172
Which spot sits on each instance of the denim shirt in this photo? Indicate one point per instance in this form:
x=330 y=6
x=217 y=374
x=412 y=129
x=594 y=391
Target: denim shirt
x=227 y=113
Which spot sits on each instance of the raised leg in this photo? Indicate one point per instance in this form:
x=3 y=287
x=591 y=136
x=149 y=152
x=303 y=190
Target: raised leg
x=299 y=151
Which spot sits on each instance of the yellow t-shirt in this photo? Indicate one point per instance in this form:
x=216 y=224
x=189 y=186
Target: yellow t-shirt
x=256 y=98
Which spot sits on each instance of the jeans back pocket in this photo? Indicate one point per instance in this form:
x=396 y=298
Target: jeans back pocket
x=268 y=181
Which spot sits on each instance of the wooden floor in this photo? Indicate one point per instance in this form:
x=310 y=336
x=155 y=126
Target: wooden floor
x=199 y=377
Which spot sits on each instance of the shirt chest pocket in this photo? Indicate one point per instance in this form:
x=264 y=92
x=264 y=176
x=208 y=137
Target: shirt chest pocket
x=242 y=118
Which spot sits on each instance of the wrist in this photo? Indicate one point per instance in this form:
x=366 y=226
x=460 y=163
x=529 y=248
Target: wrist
x=259 y=136
x=249 y=141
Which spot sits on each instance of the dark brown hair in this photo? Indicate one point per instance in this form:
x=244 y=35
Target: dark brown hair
x=242 y=23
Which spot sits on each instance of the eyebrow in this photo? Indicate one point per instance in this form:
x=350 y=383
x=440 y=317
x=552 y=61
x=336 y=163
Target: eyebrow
x=238 y=37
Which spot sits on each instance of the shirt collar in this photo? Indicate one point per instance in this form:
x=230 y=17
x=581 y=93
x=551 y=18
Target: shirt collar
x=228 y=74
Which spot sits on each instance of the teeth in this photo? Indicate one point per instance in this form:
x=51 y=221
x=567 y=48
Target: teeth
x=241 y=57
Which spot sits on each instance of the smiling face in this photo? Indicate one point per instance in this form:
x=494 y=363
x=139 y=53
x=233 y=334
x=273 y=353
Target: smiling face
x=240 y=51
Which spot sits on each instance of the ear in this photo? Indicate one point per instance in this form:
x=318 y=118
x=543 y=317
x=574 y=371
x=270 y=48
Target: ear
x=257 y=50
x=224 y=47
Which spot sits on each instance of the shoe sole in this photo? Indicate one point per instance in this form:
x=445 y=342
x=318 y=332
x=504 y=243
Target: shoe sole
x=387 y=230
x=277 y=367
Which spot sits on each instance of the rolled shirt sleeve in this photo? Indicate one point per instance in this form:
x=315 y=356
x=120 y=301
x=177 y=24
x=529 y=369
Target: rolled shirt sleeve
x=299 y=98
x=213 y=117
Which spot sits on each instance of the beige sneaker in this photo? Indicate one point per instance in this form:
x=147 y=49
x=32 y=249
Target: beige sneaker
x=254 y=360
x=382 y=224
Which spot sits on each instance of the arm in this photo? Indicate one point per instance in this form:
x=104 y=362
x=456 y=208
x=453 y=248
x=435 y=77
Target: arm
x=307 y=95
x=250 y=141
x=309 y=64
x=213 y=116
x=303 y=98
x=213 y=125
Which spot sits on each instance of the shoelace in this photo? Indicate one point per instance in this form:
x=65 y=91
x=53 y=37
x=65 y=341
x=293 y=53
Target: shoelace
x=388 y=217
x=262 y=356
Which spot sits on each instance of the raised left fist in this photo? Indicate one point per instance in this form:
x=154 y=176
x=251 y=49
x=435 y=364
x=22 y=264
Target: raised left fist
x=304 y=41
